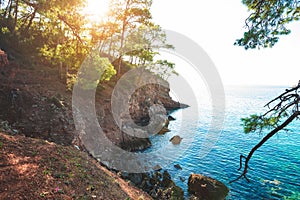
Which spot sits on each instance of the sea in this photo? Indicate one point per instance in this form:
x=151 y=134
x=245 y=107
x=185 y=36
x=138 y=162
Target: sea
x=274 y=168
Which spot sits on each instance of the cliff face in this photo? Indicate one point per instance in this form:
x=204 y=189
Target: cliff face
x=147 y=96
x=140 y=104
x=36 y=104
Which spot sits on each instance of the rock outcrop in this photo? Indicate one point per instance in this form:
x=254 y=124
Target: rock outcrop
x=138 y=100
x=158 y=185
x=147 y=96
x=206 y=188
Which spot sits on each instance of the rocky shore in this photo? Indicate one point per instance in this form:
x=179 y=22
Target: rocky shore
x=34 y=103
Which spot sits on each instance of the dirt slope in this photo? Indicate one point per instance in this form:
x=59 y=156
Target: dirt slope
x=37 y=169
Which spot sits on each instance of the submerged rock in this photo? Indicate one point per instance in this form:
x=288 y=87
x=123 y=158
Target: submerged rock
x=206 y=188
x=182 y=179
x=176 y=140
x=177 y=166
x=275 y=182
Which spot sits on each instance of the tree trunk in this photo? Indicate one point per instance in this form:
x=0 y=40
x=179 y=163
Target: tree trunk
x=16 y=14
x=121 y=49
x=8 y=7
x=31 y=20
x=60 y=68
x=124 y=24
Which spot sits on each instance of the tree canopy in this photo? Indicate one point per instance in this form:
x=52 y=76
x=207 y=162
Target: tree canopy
x=60 y=33
x=268 y=21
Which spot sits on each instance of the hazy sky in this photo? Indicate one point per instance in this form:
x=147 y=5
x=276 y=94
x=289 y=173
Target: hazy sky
x=215 y=25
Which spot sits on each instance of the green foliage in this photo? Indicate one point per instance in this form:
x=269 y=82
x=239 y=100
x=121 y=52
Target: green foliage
x=256 y=123
x=46 y=172
x=280 y=109
x=26 y=26
x=4 y=30
x=268 y=20
x=95 y=69
x=163 y=68
x=59 y=33
x=71 y=80
x=143 y=43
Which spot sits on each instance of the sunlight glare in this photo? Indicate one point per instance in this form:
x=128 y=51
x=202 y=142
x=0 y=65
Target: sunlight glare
x=96 y=9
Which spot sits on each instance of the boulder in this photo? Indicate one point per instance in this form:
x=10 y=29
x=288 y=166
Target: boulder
x=206 y=188
x=158 y=185
x=176 y=140
x=166 y=179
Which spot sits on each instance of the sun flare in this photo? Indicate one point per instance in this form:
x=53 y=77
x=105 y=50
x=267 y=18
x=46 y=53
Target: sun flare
x=96 y=9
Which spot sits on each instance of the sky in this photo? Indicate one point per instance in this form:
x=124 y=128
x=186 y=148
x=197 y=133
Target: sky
x=215 y=25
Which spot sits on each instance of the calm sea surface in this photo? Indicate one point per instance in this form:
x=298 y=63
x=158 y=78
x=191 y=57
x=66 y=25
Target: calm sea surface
x=275 y=167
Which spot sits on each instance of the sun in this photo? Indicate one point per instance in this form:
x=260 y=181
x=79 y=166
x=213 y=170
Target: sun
x=96 y=10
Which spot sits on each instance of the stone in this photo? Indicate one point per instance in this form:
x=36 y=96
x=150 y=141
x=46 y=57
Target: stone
x=206 y=188
x=176 y=140
x=163 y=131
x=177 y=166
x=135 y=178
x=166 y=179
x=182 y=179
x=157 y=168
x=58 y=103
x=170 y=118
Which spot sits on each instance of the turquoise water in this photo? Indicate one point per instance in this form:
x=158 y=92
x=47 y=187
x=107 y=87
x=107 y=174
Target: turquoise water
x=275 y=167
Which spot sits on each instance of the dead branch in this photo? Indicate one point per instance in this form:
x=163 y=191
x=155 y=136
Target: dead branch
x=289 y=102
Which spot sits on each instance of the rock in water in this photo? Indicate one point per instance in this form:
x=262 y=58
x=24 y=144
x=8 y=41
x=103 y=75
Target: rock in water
x=182 y=179
x=176 y=139
x=157 y=168
x=177 y=166
x=206 y=188
x=163 y=131
x=170 y=118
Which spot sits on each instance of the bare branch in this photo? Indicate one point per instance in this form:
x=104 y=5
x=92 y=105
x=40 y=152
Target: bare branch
x=286 y=92
x=288 y=104
x=265 y=139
